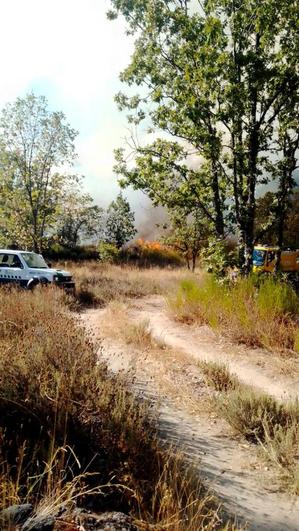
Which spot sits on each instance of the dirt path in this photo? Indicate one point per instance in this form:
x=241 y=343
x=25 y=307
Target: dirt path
x=229 y=465
x=201 y=343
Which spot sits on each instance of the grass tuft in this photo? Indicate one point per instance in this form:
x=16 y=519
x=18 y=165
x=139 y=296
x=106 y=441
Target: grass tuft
x=273 y=425
x=218 y=376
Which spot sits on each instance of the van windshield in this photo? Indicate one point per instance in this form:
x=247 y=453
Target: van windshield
x=34 y=260
x=258 y=257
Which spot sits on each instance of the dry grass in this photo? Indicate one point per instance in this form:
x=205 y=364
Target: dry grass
x=171 y=368
x=260 y=313
x=98 y=283
x=218 y=376
x=261 y=419
x=273 y=425
x=71 y=433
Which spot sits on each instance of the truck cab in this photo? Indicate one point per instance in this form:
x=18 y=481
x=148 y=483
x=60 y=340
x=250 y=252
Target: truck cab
x=265 y=259
x=27 y=269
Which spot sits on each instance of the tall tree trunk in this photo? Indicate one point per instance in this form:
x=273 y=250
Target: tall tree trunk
x=193 y=261
x=219 y=221
x=286 y=182
x=253 y=148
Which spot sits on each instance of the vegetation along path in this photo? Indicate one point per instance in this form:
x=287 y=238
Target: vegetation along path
x=163 y=366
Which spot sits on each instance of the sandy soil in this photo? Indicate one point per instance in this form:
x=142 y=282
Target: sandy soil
x=229 y=465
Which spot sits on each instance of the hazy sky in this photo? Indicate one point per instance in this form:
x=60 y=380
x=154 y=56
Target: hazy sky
x=68 y=51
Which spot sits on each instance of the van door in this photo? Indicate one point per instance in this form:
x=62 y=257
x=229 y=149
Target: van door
x=16 y=269
x=4 y=277
x=10 y=269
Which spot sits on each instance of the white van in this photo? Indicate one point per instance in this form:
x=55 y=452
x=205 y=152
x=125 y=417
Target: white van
x=28 y=269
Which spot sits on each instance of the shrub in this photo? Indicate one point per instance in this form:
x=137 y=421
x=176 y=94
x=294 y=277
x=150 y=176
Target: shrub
x=257 y=415
x=148 y=254
x=77 y=253
x=281 y=448
x=271 y=424
x=108 y=252
x=218 y=256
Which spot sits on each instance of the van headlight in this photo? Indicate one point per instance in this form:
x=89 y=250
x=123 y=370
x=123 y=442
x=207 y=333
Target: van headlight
x=55 y=278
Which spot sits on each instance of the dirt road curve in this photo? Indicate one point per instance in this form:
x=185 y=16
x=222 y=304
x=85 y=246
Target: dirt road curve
x=228 y=465
x=203 y=344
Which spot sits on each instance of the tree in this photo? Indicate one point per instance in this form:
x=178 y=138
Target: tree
x=291 y=229
x=187 y=233
x=120 y=222
x=267 y=221
x=80 y=219
x=34 y=144
x=219 y=77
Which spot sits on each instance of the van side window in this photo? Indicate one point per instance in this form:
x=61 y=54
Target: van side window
x=3 y=260
x=271 y=256
x=16 y=262
x=10 y=260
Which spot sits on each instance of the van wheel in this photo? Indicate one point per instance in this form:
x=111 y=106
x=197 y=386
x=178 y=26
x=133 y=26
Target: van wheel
x=32 y=283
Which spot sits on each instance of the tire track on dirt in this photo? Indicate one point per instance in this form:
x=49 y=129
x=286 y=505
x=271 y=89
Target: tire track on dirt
x=227 y=465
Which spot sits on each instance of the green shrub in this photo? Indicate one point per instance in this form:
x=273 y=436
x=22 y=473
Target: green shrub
x=150 y=254
x=258 y=312
x=217 y=257
x=78 y=253
x=276 y=298
x=108 y=252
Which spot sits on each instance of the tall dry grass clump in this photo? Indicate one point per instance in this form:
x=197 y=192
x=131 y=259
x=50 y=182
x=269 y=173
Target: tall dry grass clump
x=258 y=312
x=218 y=376
x=70 y=432
x=273 y=425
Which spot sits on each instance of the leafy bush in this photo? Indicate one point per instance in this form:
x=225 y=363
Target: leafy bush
x=108 y=252
x=217 y=256
x=78 y=253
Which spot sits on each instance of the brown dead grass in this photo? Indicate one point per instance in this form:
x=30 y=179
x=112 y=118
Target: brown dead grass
x=97 y=284
x=218 y=376
x=70 y=432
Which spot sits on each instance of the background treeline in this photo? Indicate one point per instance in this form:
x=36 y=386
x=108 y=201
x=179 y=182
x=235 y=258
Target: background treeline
x=41 y=206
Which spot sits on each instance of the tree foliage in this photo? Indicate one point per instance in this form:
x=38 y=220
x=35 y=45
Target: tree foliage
x=268 y=219
x=219 y=79
x=188 y=234
x=34 y=144
x=120 y=226
x=80 y=220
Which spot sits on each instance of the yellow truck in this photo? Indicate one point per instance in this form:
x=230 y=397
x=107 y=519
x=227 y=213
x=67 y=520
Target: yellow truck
x=265 y=259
